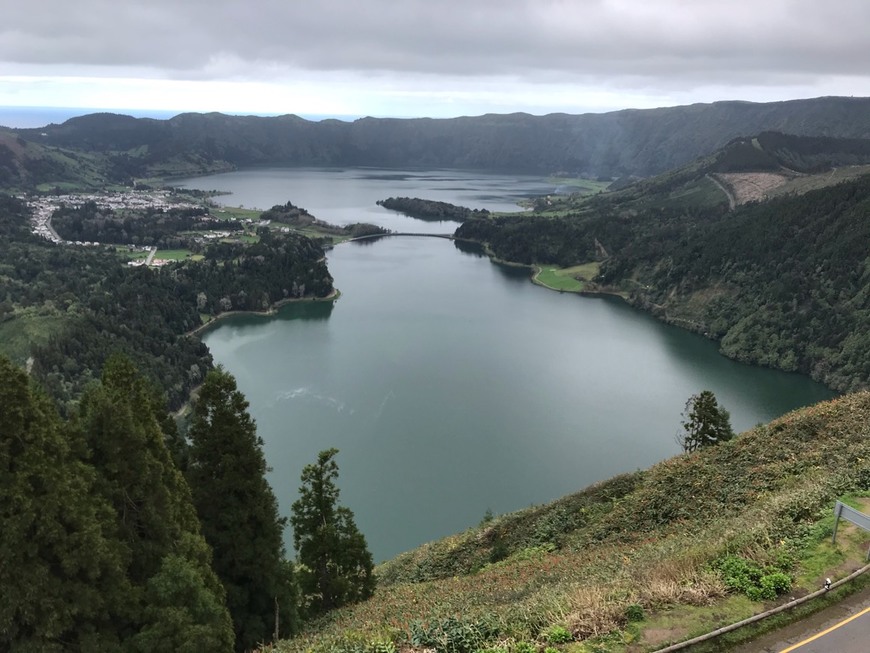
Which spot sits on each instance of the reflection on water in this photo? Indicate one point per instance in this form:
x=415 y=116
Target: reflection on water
x=305 y=310
x=368 y=240
x=451 y=385
x=348 y=195
x=472 y=249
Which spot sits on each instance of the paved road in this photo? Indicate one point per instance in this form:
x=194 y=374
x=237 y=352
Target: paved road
x=842 y=628
x=851 y=635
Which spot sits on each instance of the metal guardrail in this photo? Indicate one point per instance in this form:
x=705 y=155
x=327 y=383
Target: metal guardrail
x=842 y=511
x=782 y=608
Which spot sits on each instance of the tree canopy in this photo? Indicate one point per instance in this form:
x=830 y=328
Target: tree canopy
x=335 y=563
x=58 y=561
x=705 y=423
x=154 y=522
x=239 y=513
x=100 y=547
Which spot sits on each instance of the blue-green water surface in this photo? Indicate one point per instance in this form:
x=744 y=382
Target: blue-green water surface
x=452 y=385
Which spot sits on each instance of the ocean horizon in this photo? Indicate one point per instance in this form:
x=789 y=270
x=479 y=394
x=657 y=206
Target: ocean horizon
x=31 y=117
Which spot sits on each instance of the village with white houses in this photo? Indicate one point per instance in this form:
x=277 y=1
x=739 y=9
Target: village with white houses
x=43 y=208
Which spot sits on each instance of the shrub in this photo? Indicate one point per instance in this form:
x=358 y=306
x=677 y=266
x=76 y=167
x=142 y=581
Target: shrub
x=749 y=578
x=634 y=612
x=557 y=635
x=773 y=584
x=451 y=635
x=524 y=647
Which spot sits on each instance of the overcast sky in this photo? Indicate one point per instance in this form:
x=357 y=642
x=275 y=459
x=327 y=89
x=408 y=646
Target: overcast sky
x=437 y=58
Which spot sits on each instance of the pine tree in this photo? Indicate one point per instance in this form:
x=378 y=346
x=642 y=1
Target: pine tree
x=155 y=520
x=705 y=423
x=335 y=564
x=239 y=513
x=59 y=571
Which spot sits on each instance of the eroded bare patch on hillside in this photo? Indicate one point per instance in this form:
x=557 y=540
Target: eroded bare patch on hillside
x=752 y=186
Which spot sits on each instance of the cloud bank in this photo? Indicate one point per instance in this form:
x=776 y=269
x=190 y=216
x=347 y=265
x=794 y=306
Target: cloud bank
x=440 y=52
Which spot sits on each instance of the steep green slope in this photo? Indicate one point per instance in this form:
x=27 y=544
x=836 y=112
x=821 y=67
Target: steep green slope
x=27 y=164
x=633 y=546
x=782 y=282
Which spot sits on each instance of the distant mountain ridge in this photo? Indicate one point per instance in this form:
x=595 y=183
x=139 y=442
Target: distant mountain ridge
x=621 y=143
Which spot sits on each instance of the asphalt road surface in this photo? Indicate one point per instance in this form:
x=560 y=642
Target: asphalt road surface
x=852 y=635
x=842 y=628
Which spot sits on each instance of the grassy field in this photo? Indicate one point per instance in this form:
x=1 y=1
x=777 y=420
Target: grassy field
x=566 y=279
x=236 y=213
x=176 y=255
x=578 y=185
x=637 y=562
x=128 y=255
x=32 y=325
x=805 y=183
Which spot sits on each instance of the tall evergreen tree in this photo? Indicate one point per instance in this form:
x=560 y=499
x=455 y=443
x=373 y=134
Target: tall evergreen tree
x=335 y=564
x=239 y=513
x=60 y=573
x=705 y=423
x=167 y=560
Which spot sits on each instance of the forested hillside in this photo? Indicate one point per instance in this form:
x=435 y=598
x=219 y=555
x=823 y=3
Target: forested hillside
x=27 y=163
x=70 y=307
x=616 y=144
x=782 y=282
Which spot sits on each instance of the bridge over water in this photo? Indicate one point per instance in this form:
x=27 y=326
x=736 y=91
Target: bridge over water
x=401 y=233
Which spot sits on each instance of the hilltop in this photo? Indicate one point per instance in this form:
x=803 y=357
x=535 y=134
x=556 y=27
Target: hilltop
x=616 y=144
x=637 y=561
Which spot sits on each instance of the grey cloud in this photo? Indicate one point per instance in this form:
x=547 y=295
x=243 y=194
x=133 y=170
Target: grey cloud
x=686 y=41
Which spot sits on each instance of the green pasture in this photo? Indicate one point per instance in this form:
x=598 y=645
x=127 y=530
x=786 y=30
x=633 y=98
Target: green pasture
x=177 y=255
x=566 y=279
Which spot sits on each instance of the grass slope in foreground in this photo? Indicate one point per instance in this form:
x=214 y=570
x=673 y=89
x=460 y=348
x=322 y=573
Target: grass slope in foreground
x=635 y=562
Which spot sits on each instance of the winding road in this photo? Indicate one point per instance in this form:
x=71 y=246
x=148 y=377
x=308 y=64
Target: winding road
x=732 y=202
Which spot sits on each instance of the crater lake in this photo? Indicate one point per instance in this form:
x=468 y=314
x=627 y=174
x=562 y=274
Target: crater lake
x=450 y=384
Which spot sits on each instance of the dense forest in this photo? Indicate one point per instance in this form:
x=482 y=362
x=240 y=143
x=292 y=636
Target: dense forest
x=121 y=535
x=423 y=209
x=151 y=227
x=297 y=217
x=173 y=541
x=88 y=303
x=782 y=283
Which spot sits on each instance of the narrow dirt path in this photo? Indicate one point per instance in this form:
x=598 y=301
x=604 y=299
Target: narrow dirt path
x=732 y=202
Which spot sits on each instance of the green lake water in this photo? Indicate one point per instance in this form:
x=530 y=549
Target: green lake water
x=452 y=385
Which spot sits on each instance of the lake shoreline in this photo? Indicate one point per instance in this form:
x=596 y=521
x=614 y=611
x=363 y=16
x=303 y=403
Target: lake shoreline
x=269 y=312
x=428 y=358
